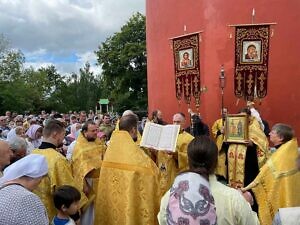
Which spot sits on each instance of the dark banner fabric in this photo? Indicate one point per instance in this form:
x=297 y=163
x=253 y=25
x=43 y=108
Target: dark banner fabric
x=251 y=61
x=187 y=68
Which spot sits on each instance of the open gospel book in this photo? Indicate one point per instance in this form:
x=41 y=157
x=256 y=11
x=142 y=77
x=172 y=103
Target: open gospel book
x=160 y=137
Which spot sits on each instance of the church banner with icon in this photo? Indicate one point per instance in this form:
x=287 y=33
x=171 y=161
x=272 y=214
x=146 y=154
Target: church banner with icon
x=187 y=67
x=251 y=61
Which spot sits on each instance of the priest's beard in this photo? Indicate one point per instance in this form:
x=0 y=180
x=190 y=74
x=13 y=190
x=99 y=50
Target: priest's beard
x=90 y=139
x=134 y=139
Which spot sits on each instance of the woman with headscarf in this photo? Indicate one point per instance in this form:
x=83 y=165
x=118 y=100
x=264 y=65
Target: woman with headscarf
x=73 y=143
x=73 y=133
x=194 y=201
x=34 y=135
x=15 y=132
x=14 y=137
x=19 y=206
x=191 y=201
x=11 y=135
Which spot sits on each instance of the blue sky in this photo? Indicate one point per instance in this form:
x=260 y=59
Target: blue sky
x=51 y=57
x=64 y=33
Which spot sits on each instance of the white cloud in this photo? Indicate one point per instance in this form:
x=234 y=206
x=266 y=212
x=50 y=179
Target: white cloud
x=66 y=68
x=92 y=59
x=62 y=28
x=87 y=57
x=37 y=65
x=36 y=54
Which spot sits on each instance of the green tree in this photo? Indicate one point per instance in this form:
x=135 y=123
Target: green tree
x=39 y=87
x=4 y=45
x=54 y=89
x=12 y=85
x=11 y=65
x=123 y=60
x=44 y=88
x=88 y=91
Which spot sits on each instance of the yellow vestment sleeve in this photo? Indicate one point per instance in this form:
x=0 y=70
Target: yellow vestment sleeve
x=59 y=173
x=183 y=141
x=221 y=168
x=277 y=184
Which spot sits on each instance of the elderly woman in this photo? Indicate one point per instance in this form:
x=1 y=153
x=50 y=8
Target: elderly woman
x=18 y=204
x=18 y=146
x=34 y=135
x=73 y=133
x=16 y=132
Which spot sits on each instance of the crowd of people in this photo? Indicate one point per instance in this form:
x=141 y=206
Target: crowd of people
x=86 y=168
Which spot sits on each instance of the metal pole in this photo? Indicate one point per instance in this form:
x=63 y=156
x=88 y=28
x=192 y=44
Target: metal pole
x=222 y=86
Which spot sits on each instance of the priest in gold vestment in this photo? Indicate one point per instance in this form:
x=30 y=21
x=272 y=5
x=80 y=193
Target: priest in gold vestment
x=244 y=160
x=171 y=163
x=183 y=140
x=86 y=162
x=278 y=182
x=59 y=169
x=126 y=113
x=128 y=190
x=218 y=134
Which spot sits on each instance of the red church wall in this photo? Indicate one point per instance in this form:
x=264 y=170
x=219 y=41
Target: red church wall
x=166 y=19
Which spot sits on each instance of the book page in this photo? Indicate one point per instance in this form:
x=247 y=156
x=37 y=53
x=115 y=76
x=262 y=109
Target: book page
x=168 y=137
x=160 y=137
x=151 y=135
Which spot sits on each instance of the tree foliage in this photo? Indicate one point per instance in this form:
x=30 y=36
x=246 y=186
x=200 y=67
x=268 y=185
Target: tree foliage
x=43 y=89
x=123 y=60
x=123 y=80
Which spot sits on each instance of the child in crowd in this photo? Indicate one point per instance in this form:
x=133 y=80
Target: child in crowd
x=66 y=200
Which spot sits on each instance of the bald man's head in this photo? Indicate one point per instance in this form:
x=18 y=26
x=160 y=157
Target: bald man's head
x=5 y=154
x=179 y=119
x=128 y=112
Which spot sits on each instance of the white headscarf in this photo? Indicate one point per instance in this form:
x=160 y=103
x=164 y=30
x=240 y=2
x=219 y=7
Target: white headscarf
x=73 y=131
x=11 y=135
x=32 y=165
x=31 y=133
